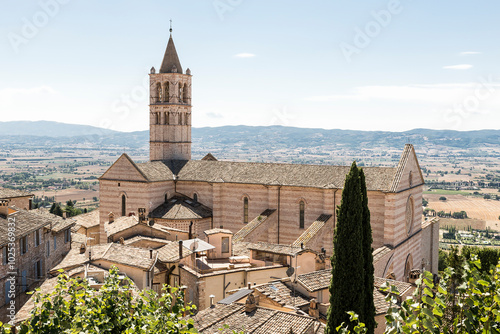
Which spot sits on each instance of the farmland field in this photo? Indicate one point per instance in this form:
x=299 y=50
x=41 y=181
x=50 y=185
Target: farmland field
x=478 y=208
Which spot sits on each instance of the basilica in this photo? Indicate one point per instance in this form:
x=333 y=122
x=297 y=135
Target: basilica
x=266 y=204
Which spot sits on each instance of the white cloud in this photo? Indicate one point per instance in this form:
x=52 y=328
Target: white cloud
x=458 y=67
x=465 y=53
x=244 y=55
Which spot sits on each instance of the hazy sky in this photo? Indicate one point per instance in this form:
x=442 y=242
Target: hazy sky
x=371 y=65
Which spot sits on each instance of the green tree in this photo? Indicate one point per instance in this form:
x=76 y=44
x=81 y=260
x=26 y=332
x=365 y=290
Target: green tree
x=369 y=309
x=347 y=287
x=74 y=307
x=58 y=211
x=53 y=207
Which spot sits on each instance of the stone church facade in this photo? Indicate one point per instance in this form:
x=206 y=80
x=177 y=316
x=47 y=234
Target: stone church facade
x=288 y=204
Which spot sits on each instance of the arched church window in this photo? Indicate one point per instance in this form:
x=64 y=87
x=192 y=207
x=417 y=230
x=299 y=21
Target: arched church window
x=157 y=121
x=167 y=92
x=180 y=92
x=166 y=198
x=301 y=214
x=195 y=197
x=187 y=119
x=184 y=94
x=124 y=205
x=408 y=267
x=167 y=118
x=245 y=210
x=180 y=119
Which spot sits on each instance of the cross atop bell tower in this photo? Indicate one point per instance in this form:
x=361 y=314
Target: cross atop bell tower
x=170 y=108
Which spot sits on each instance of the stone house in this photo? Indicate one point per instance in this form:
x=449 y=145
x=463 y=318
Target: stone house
x=32 y=242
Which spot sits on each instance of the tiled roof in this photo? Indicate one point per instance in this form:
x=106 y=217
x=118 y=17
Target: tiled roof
x=380 y=253
x=181 y=208
x=281 y=294
x=286 y=323
x=120 y=224
x=318 y=176
x=405 y=156
x=403 y=287
x=217 y=230
x=139 y=238
x=261 y=320
x=128 y=255
x=251 y=226
x=312 y=230
x=241 y=248
x=315 y=280
x=113 y=252
x=170 y=252
x=277 y=249
x=88 y=220
x=27 y=221
x=381 y=305
x=11 y=193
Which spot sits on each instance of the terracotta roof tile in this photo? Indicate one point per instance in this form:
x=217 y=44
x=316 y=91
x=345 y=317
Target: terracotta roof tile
x=251 y=226
x=315 y=280
x=282 y=294
x=181 y=208
x=217 y=230
x=312 y=230
x=88 y=220
x=11 y=193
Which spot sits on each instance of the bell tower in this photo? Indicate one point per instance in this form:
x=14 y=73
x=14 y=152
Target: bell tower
x=170 y=109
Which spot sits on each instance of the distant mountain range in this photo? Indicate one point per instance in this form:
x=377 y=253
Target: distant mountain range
x=54 y=133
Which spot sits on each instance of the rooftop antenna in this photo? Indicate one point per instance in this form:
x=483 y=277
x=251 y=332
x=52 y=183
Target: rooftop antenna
x=170 y=27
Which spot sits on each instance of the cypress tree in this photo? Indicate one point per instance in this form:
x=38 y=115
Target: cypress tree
x=347 y=287
x=369 y=310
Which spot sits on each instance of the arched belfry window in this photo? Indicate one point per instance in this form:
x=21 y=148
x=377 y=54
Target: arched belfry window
x=185 y=94
x=167 y=92
x=245 y=210
x=167 y=118
x=124 y=205
x=159 y=95
x=301 y=214
x=180 y=92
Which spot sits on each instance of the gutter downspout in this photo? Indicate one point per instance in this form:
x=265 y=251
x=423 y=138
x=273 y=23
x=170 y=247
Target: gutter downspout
x=279 y=205
x=334 y=209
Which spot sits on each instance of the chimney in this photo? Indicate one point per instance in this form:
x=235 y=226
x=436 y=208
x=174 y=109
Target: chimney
x=64 y=215
x=250 y=304
x=83 y=249
x=313 y=309
x=212 y=304
x=301 y=245
x=190 y=236
x=249 y=285
x=4 y=208
x=180 y=250
x=111 y=217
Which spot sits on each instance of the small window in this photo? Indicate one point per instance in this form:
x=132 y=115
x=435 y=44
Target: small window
x=301 y=214
x=24 y=280
x=38 y=237
x=38 y=269
x=124 y=205
x=55 y=242
x=48 y=248
x=245 y=210
x=8 y=294
x=67 y=236
x=410 y=179
x=195 y=197
x=23 y=243
x=225 y=245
